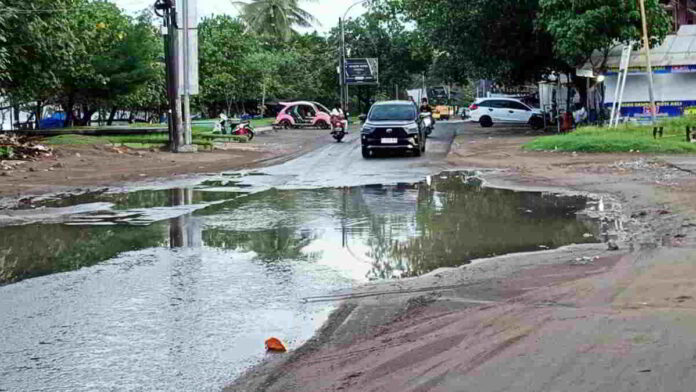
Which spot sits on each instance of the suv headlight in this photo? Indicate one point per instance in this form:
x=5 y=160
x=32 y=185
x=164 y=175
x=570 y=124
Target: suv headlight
x=411 y=128
x=366 y=129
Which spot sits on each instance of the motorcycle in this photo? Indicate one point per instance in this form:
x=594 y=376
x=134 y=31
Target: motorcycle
x=428 y=122
x=339 y=126
x=242 y=128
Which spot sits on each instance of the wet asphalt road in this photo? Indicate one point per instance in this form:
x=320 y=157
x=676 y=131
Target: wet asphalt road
x=341 y=164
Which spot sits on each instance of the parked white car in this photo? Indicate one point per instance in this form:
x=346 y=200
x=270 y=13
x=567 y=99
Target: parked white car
x=489 y=111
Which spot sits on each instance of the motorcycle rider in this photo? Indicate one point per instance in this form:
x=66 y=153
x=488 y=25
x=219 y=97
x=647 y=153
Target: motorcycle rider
x=337 y=111
x=339 y=124
x=425 y=108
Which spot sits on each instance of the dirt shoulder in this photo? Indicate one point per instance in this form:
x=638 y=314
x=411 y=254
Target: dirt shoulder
x=90 y=166
x=578 y=318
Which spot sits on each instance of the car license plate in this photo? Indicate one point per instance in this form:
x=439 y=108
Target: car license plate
x=389 y=140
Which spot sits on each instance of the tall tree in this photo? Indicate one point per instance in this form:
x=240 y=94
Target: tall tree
x=41 y=46
x=276 y=18
x=76 y=52
x=582 y=27
x=403 y=53
x=519 y=41
x=7 y=13
x=223 y=46
x=120 y=57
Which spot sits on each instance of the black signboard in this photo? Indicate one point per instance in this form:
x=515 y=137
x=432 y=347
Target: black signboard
x=362 y=71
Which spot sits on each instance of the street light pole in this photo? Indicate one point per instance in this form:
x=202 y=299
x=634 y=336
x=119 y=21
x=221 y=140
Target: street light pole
x=646 y=43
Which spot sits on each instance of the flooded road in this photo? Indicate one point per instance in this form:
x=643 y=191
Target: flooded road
x=177 y=288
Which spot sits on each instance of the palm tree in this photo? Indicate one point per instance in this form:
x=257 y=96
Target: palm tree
x=275 y=17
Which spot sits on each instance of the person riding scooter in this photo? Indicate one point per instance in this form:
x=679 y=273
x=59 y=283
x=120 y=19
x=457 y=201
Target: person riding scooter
x=337 y=111
x=339 y=124
x=425 y=108
x=427 y=114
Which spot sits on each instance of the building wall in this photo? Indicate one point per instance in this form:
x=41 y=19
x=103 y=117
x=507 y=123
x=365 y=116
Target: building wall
x=675 y=94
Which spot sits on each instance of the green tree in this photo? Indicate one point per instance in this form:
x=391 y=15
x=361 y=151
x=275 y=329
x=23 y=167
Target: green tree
x=223 y=46
x=265 y=67
x=403 y=53
x=120 y=56
x=517 y=41
x=276 y=18
x=4 y=16
x=308 y=69
x=41 y=46
x=582 y=27
x=77 y=52
x=490 y=40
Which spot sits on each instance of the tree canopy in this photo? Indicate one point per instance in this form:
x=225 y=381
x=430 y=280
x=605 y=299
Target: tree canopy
x=581 y=27
x=517 y=41
x=275 y=18
x=404 y=54
x=77 y=52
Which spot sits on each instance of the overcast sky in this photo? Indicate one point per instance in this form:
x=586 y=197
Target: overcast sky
x=327 y=11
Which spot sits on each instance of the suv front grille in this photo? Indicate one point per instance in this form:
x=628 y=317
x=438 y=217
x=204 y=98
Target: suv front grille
x=395 y=132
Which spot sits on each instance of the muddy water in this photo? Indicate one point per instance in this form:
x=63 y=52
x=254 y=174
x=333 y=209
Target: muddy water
x=176 y=289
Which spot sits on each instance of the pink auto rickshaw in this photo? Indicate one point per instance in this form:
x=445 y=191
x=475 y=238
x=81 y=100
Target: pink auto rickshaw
x=303 y=114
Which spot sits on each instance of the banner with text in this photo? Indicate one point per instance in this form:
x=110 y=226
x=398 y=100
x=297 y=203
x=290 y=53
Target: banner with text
x=362 y=71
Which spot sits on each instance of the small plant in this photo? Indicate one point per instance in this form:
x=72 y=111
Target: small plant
x=6 y=152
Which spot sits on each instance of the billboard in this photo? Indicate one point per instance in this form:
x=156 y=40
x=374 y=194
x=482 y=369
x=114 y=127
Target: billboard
x=187 y=53
x=362 y=71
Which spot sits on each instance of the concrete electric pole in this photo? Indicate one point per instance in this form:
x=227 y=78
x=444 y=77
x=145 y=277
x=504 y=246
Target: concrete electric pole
x=179 y=134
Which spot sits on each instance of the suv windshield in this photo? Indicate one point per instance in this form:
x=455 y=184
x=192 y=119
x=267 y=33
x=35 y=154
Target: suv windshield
x=393 y=113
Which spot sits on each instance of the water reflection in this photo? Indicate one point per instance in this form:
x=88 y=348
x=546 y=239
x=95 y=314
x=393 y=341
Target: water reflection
x=34 y=250
x=399 y=230
x=184 y=231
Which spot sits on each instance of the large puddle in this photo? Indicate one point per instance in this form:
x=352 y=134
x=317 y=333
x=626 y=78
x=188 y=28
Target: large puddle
x=176 y=289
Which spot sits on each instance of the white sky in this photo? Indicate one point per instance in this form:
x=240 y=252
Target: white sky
x=327 y=11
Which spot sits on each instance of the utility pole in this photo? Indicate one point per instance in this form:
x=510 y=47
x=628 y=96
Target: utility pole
x=342 y=67
x=343 y=64
x=646 y=43
x=168 y=13
x=187 y=83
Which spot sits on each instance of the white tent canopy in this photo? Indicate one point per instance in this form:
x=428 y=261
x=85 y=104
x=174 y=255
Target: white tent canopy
x=677 y=50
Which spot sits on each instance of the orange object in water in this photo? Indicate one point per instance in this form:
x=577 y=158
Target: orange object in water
x=275 y=344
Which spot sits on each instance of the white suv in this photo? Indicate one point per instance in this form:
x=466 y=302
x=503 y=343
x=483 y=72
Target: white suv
x=489 y=111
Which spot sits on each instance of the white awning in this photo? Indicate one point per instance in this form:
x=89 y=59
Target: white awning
x=677 y=54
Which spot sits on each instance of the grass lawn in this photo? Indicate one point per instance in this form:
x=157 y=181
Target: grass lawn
x=200 y=139
x=624 y=138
